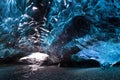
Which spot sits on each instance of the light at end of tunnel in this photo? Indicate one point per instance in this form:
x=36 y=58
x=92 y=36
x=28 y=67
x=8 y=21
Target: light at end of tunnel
x=36 y=56
x=34 y=8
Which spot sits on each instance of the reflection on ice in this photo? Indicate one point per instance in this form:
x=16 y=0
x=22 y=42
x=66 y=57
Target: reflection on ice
x=35 y=67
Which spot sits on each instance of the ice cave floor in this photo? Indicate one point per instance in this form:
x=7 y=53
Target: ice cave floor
x=35 y=72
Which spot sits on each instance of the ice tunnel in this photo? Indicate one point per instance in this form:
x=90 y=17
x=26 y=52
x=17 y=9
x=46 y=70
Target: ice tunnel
x=67 y=30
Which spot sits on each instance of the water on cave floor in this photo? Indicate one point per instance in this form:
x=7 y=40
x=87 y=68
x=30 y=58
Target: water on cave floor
x=36 y=72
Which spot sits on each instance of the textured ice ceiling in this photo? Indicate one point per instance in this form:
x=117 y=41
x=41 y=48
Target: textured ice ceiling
x=89 y=28
x=65 y=29
x=21 y=23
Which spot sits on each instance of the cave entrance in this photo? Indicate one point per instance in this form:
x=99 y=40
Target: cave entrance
x=35 y=58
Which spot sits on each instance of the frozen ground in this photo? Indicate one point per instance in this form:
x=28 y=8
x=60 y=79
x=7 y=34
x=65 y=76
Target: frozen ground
x=34 y=72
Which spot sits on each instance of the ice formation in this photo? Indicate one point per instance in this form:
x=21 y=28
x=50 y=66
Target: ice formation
x=83 y=29
x=106 y=53
x=20 y=28
x=97 y=23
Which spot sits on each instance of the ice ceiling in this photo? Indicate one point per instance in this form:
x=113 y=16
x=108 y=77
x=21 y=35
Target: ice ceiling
x=65 y=29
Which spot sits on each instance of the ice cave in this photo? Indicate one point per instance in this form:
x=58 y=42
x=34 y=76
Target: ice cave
x=59 y=39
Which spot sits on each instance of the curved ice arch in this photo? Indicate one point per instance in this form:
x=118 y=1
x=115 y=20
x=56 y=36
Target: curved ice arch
x=106 y=53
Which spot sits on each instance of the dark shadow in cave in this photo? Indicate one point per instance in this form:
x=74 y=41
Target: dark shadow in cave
x=117 y=64
x=81 y=64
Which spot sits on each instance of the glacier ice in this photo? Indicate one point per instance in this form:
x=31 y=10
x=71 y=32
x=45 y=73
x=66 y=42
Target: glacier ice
x=20 y=27
x=85 y=29
x=101 y=43
x=106 y=53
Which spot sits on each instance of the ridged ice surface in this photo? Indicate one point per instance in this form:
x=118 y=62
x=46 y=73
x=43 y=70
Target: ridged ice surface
x=103 y=16
x=107 y=53
x=19 y=31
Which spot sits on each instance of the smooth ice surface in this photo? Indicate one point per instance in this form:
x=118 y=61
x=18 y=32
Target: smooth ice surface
x=34 y=72
x=26 y=28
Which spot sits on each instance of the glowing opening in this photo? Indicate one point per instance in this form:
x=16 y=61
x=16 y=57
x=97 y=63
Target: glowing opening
x=34 y=8
x=36 y=56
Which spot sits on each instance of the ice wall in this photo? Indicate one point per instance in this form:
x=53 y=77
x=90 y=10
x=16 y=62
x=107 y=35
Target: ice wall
x=93 y=23
x=12 y=8
x=20 y=28
x=63 y=28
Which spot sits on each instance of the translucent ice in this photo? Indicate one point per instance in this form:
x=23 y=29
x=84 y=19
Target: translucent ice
x=103 y=24
x=106 y=53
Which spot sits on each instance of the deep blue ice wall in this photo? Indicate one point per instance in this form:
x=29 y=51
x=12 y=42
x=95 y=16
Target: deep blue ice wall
x=11 y=8
x=19 y=34
x=100 y=40
x=96 y=10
